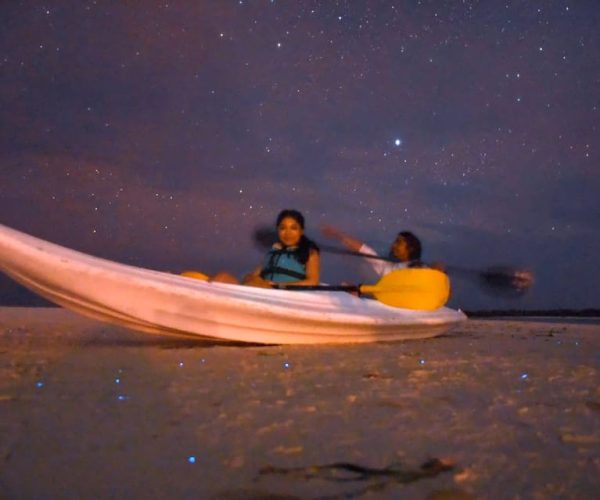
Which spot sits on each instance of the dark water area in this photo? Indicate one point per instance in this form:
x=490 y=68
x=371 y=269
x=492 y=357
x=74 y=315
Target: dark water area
x=572 y=320
x=494 y=409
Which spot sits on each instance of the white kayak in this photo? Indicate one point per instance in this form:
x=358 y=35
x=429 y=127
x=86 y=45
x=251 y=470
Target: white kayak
x=164 y=303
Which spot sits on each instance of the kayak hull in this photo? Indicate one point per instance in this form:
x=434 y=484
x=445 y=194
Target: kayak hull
x=164 y=303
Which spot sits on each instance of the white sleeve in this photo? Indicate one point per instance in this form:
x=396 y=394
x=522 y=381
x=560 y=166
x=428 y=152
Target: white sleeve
x=379 y=266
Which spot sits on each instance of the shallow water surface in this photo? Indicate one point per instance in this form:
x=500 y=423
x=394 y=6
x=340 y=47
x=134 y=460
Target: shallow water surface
x=498 y=408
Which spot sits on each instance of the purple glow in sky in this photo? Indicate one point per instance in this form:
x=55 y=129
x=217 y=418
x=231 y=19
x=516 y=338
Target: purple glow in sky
x=162 y=133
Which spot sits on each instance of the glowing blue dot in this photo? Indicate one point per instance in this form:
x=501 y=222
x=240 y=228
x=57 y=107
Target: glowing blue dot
x=120 y=397
x=286 y=365
x=117 y=381
x=192 y=459
x=524 y=376
x=398 y=142
x=421 y=361
x=39 y=384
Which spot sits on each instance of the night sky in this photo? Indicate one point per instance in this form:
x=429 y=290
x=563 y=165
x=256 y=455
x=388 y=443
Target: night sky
x=160 y=134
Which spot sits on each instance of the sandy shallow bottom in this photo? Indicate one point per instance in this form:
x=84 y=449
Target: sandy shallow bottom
x=495 y=409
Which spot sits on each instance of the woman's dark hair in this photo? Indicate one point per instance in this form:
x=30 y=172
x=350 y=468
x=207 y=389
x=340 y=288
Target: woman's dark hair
x=305 y=245
x=413 y=243
x=292 y=214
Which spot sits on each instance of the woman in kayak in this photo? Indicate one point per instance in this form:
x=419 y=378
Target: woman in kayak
x=293 y=260
x=405 y=250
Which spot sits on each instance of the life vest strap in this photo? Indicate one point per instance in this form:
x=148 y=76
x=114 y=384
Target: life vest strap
x=281 y=270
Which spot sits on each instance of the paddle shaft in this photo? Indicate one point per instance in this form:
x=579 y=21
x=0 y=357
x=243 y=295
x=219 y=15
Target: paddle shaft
x=342 y=251
x=502 y=280
x=346 y=288
x=327 y=288
x=272 y=235
x=499 y=279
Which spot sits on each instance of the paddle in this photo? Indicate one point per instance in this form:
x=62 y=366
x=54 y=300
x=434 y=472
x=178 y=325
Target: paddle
x=417 y=288
x=502 y=280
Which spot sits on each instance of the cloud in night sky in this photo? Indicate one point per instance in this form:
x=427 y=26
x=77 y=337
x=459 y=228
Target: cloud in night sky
x=161 y=135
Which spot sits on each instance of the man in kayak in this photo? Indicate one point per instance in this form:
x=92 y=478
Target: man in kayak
x=293 y=260
x=405 y=250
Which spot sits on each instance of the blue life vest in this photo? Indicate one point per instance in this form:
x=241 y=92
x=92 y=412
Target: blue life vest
x=283 y=266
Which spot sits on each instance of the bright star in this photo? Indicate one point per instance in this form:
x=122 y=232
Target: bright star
x=398 y=142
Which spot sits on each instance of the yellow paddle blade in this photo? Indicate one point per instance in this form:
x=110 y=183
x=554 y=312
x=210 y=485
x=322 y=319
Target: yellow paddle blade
x=416 y=288
x=195 y=274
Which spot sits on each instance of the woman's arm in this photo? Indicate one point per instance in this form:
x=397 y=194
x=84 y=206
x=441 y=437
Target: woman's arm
x=254 y=279
x=379 y=266
x=313 y=269
x=348 y=241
